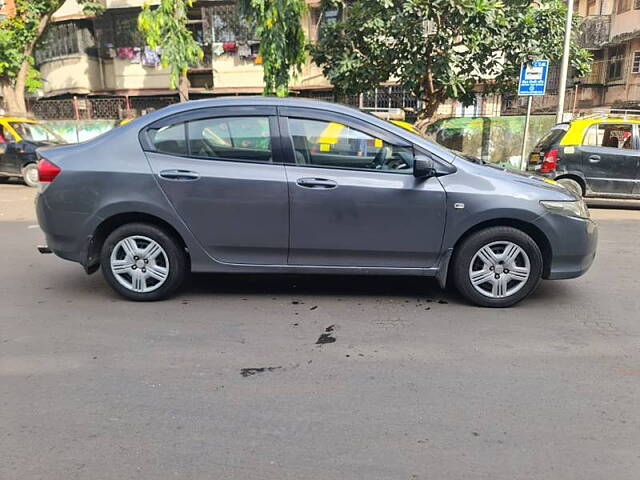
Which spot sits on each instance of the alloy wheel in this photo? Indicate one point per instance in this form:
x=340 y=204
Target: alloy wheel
x=139 y=264
x=499 y=269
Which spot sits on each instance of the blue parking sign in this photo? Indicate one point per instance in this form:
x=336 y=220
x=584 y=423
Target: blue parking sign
x=533 y=78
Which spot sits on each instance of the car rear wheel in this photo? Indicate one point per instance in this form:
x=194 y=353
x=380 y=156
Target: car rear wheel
x=30 y=175
x=497 y=267
x=143 y=262
x=571 y=185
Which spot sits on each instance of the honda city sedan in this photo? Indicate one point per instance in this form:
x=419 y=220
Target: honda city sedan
x=270 y=185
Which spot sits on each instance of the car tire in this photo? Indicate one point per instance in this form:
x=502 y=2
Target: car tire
x=497 y=267
x=30 y=175
x=571 y=185
x=143 y=262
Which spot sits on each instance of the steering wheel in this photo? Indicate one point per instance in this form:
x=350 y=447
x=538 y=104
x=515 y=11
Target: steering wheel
x=206 y=148
x=382 y=157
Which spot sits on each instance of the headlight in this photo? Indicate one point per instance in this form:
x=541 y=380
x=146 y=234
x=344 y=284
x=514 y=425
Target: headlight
x=576 y=208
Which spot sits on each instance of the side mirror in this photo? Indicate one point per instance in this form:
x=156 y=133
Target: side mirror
x=423 y=167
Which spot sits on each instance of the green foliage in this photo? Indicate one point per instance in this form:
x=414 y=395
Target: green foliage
x=20 y=31
x=471 y=42
x=33 y=81
x=19 y=34
x=282 y=42
x=165 y=26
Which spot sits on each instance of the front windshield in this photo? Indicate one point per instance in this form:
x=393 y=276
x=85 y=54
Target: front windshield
x=36 y=132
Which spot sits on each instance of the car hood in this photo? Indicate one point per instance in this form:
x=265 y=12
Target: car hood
x=546 y=188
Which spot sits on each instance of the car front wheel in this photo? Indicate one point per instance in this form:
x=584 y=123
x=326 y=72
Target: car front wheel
x=143 y=262
x=497 y=267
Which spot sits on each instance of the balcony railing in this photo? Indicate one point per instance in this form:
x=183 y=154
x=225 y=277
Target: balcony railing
x=594 y=31
x=607 y=72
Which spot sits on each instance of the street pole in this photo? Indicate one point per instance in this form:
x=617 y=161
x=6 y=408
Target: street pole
x=523 y=159
x=564 y=67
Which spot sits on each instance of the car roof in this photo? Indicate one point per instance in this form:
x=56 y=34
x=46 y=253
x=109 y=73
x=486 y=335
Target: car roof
x=17 y=119
x=260 y=101
x=336 y=108
x=587 y=122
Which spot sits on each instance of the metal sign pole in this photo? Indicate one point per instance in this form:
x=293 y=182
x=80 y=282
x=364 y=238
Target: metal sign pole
x=564 y=66
x=533 y=81
x=523 y=158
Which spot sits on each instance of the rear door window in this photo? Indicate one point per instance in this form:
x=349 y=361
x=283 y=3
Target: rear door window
x=169 y=139
x=552 y=138
x=240 y=138
x=236 y=138
x=610 y=135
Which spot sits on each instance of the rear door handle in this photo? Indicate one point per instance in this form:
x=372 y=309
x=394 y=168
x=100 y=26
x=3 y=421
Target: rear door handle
x=180 y=175
x=317 y=183
x=594 y=158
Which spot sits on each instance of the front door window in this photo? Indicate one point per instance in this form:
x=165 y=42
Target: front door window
x=335 y=145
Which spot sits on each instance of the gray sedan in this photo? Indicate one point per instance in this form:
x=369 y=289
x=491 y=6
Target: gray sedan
x=294 y=186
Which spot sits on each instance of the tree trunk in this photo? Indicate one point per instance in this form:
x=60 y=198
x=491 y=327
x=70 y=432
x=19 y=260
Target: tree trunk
x=430 y=106
x=183 y=88
x=13 y=99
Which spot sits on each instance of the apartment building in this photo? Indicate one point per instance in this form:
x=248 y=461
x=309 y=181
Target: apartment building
x=7 y=9
x=611 y=30
x=104 y=65
x=99 y=67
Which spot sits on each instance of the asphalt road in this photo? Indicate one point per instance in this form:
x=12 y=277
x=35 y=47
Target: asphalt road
x=226 y=380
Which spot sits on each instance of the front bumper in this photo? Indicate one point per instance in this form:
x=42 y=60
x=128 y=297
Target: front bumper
x=573 y=244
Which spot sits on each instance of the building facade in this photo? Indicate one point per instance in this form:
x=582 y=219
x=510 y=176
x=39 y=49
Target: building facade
x=611 y=30
x=103 y=63
x=7 y=9
x=99 y=67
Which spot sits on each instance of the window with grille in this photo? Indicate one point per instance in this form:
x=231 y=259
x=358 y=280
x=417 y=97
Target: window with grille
x=224 y=22
x=636 y=4
x=615 y=68
x=63 y=39
x=118 y=30
x=635 y=68
x=623 y=6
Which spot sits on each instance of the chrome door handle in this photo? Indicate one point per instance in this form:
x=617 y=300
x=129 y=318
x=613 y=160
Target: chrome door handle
x=318 y=183
x=594 y=159
x=179 y=175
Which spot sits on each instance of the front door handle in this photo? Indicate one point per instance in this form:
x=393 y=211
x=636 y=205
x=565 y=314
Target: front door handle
x=180 y=175
x=317 y=183
x=594 y=159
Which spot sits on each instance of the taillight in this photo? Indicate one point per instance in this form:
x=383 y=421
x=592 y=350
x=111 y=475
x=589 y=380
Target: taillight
x=47 y=171
x=550 y=161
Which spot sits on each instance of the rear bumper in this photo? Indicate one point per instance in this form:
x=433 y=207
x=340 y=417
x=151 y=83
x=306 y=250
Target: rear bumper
x=64 y=231
x=573 y=242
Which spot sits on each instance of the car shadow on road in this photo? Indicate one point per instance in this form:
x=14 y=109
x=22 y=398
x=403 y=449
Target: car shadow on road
x=329 y=285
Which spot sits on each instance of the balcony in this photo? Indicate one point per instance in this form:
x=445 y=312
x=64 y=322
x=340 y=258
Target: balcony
x=614 y=71
x=594 y=31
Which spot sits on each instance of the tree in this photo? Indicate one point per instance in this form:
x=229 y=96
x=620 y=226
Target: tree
x=282 y=42
x=18 y=37
x=441 y=49
x=165 y=26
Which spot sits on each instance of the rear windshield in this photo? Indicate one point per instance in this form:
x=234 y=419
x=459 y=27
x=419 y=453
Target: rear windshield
x=551 y=138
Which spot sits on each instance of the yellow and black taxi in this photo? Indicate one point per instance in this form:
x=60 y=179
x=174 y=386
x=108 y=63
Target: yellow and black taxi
x=595 y=156
x=19 y=139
